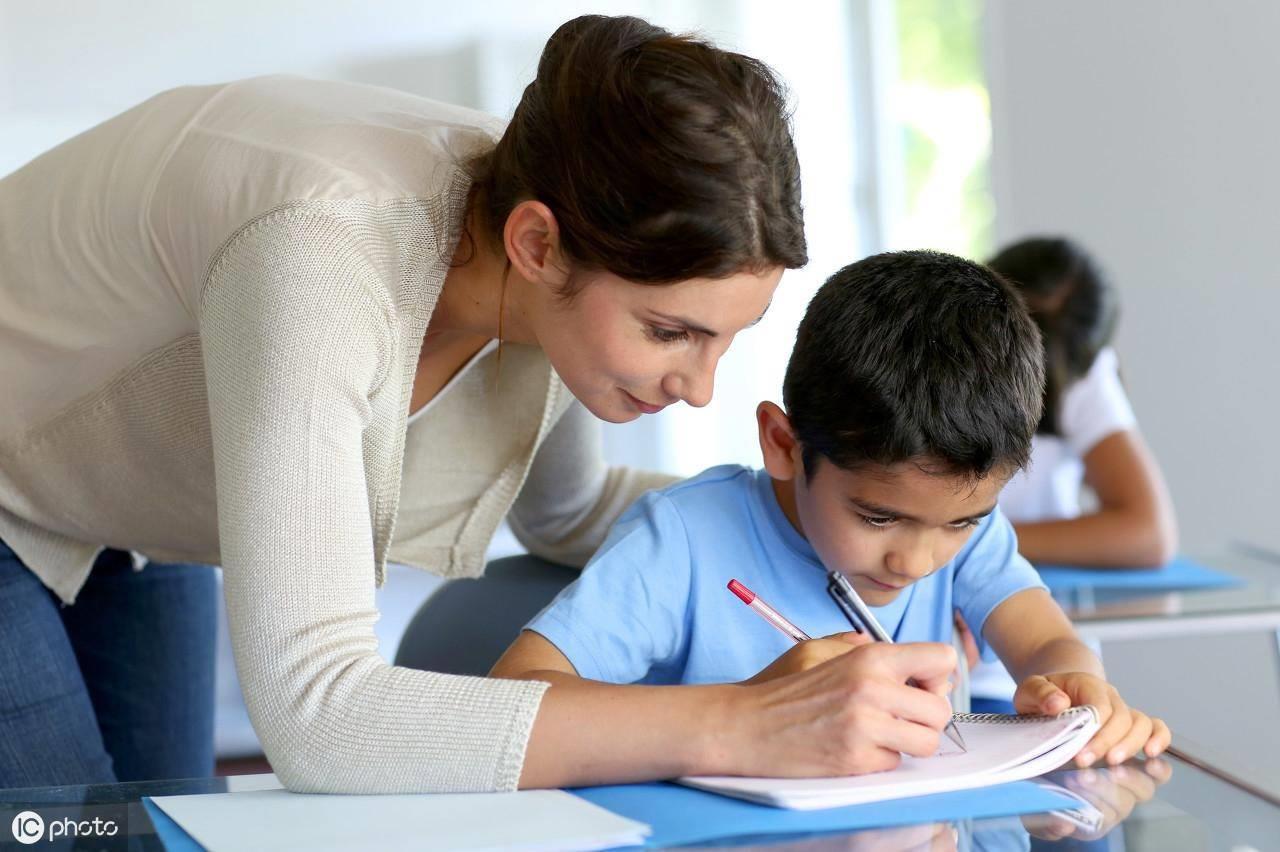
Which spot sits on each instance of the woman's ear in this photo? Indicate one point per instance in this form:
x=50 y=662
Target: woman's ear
x=777 y=442
x=531 y=238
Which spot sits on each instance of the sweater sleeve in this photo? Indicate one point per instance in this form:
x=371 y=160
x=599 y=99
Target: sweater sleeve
x=296 y=334
x=571 y=497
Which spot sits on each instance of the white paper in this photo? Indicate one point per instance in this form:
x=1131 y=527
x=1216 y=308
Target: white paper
x=275 y=819
x=998 y=751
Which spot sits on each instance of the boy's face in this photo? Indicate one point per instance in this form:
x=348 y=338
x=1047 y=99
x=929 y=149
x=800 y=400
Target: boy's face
x=887 y=527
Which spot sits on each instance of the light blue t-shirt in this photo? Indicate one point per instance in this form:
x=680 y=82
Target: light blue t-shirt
x=652 y=606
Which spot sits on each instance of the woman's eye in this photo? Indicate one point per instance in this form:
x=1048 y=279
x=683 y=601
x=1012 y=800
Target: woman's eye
x=877 y=521
x=667 y=335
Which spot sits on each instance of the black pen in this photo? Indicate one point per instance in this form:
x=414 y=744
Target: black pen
x=839 y=587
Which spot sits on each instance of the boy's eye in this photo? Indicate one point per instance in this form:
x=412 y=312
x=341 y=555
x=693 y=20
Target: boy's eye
x=879 y=522
x=967 y=523
x=667 y=335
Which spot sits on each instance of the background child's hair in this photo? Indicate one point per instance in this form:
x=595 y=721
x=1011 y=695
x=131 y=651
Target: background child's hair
x=662 y=157
x=916 y=356
x=1071 y=301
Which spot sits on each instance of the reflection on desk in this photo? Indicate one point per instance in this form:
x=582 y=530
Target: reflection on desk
x=1157 y=806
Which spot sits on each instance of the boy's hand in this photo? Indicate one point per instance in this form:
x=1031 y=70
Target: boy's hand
x=1124 y=732
x=806 y=655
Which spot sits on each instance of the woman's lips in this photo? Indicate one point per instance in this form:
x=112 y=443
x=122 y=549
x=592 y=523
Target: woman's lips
x=644 y=407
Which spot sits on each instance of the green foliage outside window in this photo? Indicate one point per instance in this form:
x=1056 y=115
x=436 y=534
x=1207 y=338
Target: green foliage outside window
x=940 y=106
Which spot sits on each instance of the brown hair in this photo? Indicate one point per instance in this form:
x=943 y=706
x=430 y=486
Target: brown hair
x=1071 y=301
x=662 y=157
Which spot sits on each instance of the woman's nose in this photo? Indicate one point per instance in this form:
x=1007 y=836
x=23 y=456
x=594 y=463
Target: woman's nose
x=696 y=386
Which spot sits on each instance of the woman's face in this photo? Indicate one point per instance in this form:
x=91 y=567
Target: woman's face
x=626 y=349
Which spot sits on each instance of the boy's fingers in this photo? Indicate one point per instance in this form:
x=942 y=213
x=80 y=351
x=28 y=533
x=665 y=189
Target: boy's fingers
x=1132 y=741
x=1158 y=741
x=1158 y=768
x=1112 y=730
x=1035 y=694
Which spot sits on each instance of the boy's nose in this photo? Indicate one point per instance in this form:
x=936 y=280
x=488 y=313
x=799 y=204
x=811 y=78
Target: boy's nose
x=913 y=564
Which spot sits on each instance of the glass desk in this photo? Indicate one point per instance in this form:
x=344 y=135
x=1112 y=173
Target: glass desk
x=1176 y=653
x=1170 y=806
x=1101 y=614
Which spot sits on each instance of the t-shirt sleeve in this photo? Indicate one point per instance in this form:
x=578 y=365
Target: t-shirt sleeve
x=1096 y=406
x=989 y=570
x=628 y=612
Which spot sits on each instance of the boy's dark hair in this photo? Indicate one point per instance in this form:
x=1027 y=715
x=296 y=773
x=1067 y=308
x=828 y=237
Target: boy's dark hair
x=916 y=356
x=1072 y=302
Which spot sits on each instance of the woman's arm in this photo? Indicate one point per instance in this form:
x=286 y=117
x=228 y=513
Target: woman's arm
x=297 y=335
x=1134 y=525
x=572 y=497
x=849 y=715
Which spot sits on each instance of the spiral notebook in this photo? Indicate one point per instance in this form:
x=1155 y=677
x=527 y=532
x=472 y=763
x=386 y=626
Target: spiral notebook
x=1000 y=749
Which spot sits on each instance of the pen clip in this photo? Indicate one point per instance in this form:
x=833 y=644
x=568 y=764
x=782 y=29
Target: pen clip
x=837 y=595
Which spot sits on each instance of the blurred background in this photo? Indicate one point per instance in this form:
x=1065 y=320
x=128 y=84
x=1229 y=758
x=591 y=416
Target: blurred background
x=1144 y=129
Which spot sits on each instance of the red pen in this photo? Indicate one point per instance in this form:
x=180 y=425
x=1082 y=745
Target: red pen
x=767 y=612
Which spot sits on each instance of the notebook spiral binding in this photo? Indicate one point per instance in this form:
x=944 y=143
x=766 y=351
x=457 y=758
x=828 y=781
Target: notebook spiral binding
x=1004 y=719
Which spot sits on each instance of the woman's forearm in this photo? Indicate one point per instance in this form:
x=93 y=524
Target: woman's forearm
x=1111 y=538
x=596 y=733
x=849 y=715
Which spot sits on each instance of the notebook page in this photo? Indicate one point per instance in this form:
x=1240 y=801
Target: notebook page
x=998 y=750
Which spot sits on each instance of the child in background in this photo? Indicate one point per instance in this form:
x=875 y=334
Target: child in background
x=911 y=397
x=1087 y=435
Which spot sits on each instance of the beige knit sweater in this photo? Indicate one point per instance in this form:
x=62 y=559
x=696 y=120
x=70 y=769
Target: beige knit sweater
x=230 y=284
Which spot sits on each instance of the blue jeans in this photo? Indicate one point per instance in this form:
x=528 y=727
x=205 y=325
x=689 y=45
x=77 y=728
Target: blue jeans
x=116 y=687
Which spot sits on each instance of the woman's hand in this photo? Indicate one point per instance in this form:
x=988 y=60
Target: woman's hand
x=1124 y=732
x=806 y=655
x=850 y=714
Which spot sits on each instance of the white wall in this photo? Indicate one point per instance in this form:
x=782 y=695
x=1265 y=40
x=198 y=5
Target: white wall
x=1149 y=131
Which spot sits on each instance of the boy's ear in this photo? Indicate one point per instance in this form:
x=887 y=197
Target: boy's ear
x=531 y=238
x=778 y=442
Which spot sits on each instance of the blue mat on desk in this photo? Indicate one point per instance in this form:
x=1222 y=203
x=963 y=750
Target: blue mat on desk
x=172 y=835
x=1179 y=574
x=681 y=815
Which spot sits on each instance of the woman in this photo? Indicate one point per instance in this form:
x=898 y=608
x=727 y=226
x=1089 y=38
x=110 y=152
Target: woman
x=226 y=303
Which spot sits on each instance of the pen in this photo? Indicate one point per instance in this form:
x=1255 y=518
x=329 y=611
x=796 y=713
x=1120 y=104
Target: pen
x=767 y=612
x=839 y=587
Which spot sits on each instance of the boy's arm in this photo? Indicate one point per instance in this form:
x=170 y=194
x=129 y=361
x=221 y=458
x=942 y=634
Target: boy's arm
x=1055 y=670
x=530 y=655
x=1033 y=636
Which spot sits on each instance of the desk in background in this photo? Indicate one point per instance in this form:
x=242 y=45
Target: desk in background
x=1206 y=660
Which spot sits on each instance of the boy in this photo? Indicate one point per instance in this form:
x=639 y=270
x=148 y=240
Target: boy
x=911 y=397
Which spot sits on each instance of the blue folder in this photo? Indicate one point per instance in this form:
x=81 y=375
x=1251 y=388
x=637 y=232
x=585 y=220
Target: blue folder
x=682 y=815
x=1179 y=574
